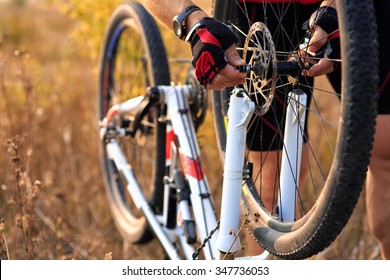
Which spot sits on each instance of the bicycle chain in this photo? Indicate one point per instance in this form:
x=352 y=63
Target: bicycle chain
x=245 y=222
x=199 y=249
x=247 y=172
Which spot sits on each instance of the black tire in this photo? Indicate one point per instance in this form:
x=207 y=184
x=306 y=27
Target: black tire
x=342 y=171
x=133 y=58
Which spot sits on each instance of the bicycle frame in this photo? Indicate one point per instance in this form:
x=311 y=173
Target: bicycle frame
x=183 y=154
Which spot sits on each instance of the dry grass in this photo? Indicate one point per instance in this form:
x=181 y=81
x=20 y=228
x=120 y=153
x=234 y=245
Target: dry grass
x=52 y=200
x=48 y=114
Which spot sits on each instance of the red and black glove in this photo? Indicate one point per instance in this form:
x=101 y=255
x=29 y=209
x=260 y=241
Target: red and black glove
x=326 y=18
x=208 y=46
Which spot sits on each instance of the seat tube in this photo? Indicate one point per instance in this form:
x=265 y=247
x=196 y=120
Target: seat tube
x=240 y=111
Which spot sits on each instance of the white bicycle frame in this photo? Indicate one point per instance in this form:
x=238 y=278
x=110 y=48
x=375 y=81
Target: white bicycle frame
x=186 y=156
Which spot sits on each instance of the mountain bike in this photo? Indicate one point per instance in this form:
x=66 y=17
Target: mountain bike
x=156 y=183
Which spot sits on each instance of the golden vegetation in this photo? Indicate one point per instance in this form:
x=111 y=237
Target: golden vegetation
x=52 y=199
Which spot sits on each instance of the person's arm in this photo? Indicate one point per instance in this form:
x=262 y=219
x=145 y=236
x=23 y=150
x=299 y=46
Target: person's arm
x=329 y=3
x=319 y=37
x=214 y=63
x=319 y=40
x=165 y=10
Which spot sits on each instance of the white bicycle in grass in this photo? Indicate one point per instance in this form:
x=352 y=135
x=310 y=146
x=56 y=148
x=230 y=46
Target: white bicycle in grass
x=156 y=183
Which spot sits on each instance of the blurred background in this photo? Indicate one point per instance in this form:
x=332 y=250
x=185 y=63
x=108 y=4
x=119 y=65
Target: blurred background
x=52 y=198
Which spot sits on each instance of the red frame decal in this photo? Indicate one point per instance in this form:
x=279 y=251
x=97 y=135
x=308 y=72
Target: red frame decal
x=170 y=137
x=192 y=167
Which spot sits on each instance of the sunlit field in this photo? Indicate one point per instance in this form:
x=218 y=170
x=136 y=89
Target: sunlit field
x=52 y=198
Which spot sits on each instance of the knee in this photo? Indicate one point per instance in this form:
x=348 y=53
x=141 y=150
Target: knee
x=380 y=228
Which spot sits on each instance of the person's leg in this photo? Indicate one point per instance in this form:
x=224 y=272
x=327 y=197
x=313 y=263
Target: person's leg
x=265 y=186
x=378 y=176
x=378 y=186
x=261 y=136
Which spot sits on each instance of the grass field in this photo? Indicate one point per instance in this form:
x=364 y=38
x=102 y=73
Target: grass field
x=52 y=200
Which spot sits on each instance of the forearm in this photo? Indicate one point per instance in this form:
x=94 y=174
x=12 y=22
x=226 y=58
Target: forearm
x=330 y=3
x=165 y=10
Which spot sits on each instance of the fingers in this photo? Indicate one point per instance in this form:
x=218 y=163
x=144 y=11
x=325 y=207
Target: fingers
x=318 y=40
x=233 y=57
x=318 y=67
x=229 y=76
x=324 y=66
x=306 y=57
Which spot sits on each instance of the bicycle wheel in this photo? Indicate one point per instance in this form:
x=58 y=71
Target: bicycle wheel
x=337 y=142
x=132 y=58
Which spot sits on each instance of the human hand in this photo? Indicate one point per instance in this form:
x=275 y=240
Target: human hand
x=229 y=76
x=215 y=56
x=326 y=39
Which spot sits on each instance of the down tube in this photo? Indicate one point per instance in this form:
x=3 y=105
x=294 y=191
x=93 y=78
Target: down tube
x=188 y=148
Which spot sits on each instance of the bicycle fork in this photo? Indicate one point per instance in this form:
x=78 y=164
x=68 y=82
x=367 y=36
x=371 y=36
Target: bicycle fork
x=292 y=155
x=243 y=108
x=240 y=111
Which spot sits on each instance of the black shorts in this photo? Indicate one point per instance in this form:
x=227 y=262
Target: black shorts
x=382 y=9
x=269 y=125
x=264 y=132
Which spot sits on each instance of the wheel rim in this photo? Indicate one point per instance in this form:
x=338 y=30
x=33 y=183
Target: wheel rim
x=126 y=75
x=319 y=151
x=314 y=155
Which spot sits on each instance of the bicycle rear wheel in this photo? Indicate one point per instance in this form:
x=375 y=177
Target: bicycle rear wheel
x=338 y=142
x=133 y=58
